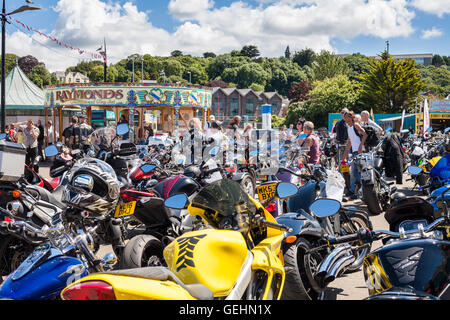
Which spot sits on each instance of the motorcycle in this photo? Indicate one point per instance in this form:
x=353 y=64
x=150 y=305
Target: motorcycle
x=412 y=265
x=376 y=191
x=305 y=247
x=238 y=258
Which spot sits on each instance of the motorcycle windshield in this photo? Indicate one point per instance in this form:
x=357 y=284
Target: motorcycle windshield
x=224 y=197
x=103 y=138
x=442 y=168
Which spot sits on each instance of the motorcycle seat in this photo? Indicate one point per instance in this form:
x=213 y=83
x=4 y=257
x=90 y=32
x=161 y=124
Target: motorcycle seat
x=198 y=291
x=51 y=197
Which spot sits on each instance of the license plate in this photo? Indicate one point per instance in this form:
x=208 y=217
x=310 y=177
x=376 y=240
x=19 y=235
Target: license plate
x=366 y=175
x=125 y=209
x=266 y=191
x=345 y=168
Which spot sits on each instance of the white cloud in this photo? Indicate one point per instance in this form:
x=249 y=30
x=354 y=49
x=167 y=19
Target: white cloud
x=204 y=26
x=431 y=33
x=437 y=7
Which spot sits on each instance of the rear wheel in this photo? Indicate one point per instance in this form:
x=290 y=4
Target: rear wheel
x=248 y=185
x=13 y=251
x=143 y=251
x=300 y=268
x=370 y=197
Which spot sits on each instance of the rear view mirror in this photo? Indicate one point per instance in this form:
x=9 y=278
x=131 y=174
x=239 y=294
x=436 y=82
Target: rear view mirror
x=429 y=129
x=3 y=136
x=122 y=129
x=323 y=208
x=302 y=136
x=146 y=168
x=51 y=151
x=388 y=130
x=414 y=171
x=214 y=151
x=286 y=190
x=178 y=201
x=447 y=129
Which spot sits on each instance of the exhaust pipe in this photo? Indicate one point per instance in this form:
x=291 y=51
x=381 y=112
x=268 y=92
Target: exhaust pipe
x=329 y=261
x=338 y=267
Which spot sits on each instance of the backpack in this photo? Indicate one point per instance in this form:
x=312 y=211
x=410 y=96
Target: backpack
x=372 y=139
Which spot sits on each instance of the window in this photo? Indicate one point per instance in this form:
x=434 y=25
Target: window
x=274 y=107
x=249 y=107
x=234 y=107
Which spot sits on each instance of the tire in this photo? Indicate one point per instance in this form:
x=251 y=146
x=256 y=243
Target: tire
x=248 y=185
x=370 y=198
x=143 y=251
x=360 y=221
x=299 y=271
x=13 y=251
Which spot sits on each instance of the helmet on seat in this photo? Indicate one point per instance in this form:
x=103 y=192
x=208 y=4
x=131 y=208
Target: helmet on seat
x=93 y=187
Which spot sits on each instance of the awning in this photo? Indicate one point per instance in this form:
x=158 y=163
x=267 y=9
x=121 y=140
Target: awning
x=396 y=118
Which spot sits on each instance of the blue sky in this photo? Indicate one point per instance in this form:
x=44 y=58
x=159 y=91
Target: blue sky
x=158 y=27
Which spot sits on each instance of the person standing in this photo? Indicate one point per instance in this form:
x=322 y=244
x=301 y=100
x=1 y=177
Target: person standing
x=68 y=131
x=356 y=139
x=299 y=127
x=30 y=141
x=212 y=118
x=83 y=131
x=311 y=141
x=340 y=129
x=12 y=133
x=290 y=130
x=367 y=121
x=40 y=138
x=51 y=135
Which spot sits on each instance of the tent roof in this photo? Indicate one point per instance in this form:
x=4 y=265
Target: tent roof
x=21 y=92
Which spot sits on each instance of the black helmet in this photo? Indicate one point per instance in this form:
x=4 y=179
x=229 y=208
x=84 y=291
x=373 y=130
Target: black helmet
x=93 y=186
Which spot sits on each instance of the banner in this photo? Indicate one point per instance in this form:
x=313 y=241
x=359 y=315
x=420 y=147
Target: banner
x=60 y=43
x=426 y=116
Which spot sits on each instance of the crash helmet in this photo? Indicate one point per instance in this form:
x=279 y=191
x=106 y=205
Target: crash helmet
x=93 y=186
x=192 y=172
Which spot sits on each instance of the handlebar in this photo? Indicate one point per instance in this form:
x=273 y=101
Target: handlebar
x=274 y=225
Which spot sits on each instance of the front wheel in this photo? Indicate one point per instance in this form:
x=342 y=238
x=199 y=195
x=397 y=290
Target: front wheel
x=143 y=251
x=300 y=267
x=370 y=198
x=248 y=185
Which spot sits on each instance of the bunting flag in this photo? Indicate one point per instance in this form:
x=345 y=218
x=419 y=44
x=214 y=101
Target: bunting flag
x=60 y=43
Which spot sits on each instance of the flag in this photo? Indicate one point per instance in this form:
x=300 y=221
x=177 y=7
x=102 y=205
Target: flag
x=426 y=116
x=403 y=119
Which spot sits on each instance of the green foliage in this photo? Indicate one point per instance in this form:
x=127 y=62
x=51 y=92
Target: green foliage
x=40 y=76
x=328 y=65
x=176 y=53
x=277 y=122
x=437 y=79
x=358 y=65
x=305 y=57
x=250 y=51
x=391 y=86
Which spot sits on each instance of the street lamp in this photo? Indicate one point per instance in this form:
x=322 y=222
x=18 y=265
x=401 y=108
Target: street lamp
x=162 y=73
x=133 y=58
x=3 y=94
x=190 y=79
x=141 y=59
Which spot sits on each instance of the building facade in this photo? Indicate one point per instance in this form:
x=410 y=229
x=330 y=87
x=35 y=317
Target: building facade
x=230 y=102
x=71 y=77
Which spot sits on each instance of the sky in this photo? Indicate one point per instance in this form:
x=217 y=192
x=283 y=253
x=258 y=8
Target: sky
x=158 y=27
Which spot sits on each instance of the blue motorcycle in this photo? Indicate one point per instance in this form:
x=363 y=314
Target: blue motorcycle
x=64 y=255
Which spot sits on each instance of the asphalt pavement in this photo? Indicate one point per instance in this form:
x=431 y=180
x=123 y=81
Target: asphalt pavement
x=350 y=286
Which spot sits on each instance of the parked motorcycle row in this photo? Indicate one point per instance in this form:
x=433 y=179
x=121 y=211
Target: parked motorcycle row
x=215 y=230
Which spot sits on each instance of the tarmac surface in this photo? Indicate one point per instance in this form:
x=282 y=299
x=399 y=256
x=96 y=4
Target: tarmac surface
x=350 y=286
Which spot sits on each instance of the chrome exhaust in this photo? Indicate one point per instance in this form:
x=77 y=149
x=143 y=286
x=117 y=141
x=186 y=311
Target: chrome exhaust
x=341 y=264
x=328 y=263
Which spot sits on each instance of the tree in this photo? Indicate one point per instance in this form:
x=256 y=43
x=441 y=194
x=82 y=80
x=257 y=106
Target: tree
x=40 y=76
x=327 y=96
x=176 y=53
x=437 y=61
x=304 y=57
x=358 y=65
x=328 y=65
x=391 y=85
x=10 y=62
x=97 y=74
x=27 y=63
x=300 y=91
x=250 y=51
x=437 y=79
x=209 y=55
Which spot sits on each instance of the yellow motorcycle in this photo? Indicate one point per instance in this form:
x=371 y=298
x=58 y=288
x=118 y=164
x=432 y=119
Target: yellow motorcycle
x=238 y=256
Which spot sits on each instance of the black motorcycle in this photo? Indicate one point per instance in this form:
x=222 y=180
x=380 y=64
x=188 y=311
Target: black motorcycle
x=412 y=265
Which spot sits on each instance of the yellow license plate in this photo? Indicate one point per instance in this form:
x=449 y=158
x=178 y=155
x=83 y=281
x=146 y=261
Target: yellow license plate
x=125 y=209
x=345 y=168
x=266 y=191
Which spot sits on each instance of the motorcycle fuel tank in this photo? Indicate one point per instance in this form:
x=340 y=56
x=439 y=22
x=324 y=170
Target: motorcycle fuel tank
x=419 y=264
x=42 y=276
x=211 y=257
